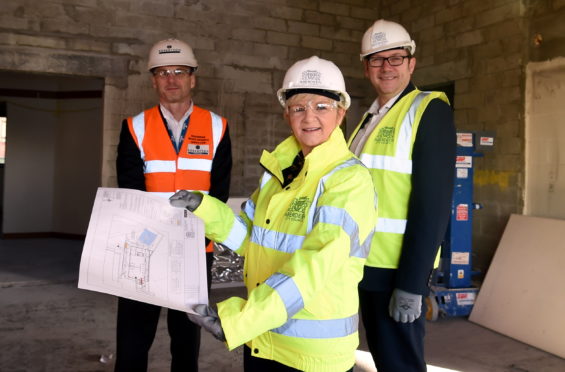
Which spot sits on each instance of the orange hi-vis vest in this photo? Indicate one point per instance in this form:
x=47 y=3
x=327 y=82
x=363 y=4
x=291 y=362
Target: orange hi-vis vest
x=166 y=171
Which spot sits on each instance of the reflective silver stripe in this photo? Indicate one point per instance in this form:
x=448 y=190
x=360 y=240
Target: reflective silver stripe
x=217 y=127
x=320 y=190
x=340 y=217
x=391 y=225
x=387 y=162
x=276 y=240
x=405 y=131
x=288 y=291
x=153 y=166
x=138 y=122
x=328 y=328
x=366 y=246
x=156 y=166
x=401 y=161
x=249 y=209
x=195 y=164
x=237 y=234
x=266 y=177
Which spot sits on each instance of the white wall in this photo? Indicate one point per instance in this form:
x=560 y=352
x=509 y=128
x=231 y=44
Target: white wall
x=53 y=155
x=545 y=139
x=28 y=177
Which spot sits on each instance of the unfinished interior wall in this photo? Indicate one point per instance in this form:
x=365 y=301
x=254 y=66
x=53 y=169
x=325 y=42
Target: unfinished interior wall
x=29 y=170
x=545 y=139
x=483 y=47
x=53 y=161
x=79 y=131
x=244 y=48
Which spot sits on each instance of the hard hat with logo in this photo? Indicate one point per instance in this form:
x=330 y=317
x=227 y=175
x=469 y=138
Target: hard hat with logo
x=317 y=76
x=385 y=35
x=171 y=52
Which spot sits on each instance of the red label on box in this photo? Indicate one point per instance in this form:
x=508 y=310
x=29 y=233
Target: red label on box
x=462 y=212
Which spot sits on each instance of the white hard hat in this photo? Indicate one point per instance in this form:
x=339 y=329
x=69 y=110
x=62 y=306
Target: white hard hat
x=385 y=35
x=171 y=52
x=317 y=76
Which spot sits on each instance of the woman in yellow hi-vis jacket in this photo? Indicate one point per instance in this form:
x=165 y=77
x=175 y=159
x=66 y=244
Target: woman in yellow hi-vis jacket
x=305 y=234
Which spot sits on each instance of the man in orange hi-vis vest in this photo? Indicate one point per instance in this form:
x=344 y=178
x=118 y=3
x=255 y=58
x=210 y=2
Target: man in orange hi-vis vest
x=172 y=146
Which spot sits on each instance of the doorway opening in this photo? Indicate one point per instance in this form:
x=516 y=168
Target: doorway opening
x=545 y=139
x=53 y=153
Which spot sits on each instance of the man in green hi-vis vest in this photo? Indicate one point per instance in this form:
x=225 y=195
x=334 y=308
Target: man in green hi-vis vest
x=407 y=140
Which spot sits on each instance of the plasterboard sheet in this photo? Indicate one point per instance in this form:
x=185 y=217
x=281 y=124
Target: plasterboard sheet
x=523 y=294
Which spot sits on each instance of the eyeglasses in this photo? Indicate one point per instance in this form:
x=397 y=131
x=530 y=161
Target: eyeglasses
x=393 y=61
x=176 y=73
x=319 y=109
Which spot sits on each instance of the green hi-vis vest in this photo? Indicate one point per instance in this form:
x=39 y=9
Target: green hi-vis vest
x=388 y=155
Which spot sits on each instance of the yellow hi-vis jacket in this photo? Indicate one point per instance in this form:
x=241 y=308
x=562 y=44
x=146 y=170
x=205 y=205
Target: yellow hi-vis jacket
x=388 y=155
x=304 y=247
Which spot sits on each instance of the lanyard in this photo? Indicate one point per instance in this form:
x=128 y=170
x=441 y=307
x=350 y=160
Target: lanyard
x=178 y=145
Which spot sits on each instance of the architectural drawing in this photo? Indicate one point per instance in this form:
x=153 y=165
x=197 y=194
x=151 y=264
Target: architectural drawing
x=139 y=247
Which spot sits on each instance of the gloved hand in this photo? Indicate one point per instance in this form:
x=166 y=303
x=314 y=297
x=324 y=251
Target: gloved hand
x=207 y=318
x=186 y=199
x=405 y=307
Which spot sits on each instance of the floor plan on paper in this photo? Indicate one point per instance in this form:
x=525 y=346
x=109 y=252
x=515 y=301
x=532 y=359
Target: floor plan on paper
x=139 y=247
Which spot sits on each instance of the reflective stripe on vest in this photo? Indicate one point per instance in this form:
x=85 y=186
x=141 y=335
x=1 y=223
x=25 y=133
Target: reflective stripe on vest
x=139 y=129
x=156 y=166
x=288 y=292
x=204 y=164
x=327 y=328
x=391 y=225
x=401 y=161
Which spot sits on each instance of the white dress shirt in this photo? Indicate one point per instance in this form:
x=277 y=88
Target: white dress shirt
x=175 y=126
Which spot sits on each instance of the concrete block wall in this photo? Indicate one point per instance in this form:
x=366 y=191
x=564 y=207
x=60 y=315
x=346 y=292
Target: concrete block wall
x=243 y=49
x=483 y=48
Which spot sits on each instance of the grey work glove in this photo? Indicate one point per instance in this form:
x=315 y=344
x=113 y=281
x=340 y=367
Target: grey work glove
x=207 y=318
x=405 y=307
x=186 y=199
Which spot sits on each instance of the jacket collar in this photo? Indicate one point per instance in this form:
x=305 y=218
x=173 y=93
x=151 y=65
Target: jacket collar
x=317 y=161
x=410 y=87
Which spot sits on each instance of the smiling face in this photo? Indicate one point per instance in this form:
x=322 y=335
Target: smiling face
x=312 y=119
x=173 y=89
x=389 y=80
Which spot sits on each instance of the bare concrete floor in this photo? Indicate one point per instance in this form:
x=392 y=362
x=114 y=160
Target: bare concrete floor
x=47 y=324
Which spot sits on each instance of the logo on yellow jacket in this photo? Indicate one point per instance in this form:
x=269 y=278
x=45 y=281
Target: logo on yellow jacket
x=297 y=210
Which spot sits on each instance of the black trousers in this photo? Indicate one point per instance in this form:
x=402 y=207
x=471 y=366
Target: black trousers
x=394 y=346
x=136 y=328
x=254 y=364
